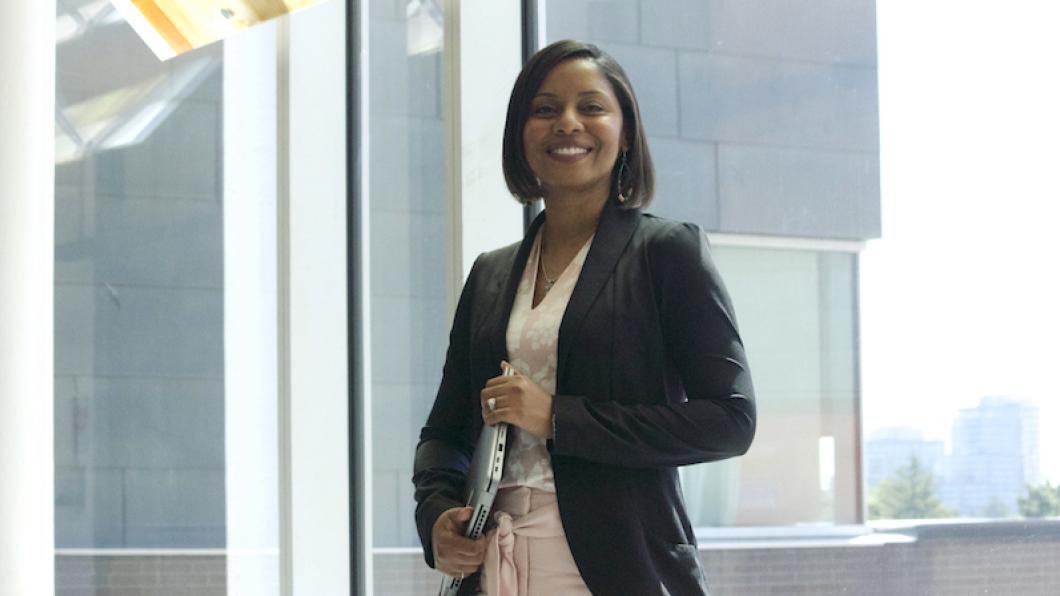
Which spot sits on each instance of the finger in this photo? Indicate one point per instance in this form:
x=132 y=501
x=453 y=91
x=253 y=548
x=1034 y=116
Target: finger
x=501 y=380
x=503 y=395
x=471 y=553
x=456 y=550
x=456 y=518
x=468 y=551
x=452 y=535
x=461 y=569
x=510 y=386
x=492 y=402
x=454 y=527
x=500 y=415
x=480 y=545
x=488 y=392
x=505 y=365
x=467 y=562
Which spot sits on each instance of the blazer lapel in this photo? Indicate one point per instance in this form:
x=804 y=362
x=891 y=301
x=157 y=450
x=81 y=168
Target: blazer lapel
x=612 y=235
x=502 y=306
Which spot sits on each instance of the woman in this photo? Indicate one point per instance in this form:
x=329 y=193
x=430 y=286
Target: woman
x=629 y=360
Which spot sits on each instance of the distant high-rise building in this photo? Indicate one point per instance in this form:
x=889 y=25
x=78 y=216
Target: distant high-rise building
x=996 y=454
x=892 y=448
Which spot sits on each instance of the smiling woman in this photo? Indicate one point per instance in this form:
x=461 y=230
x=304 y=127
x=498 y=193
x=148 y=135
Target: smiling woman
x=574 y=133
x=628 y=357
x=600 y=95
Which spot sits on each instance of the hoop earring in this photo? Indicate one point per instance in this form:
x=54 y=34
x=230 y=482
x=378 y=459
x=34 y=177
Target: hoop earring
x=622 y=197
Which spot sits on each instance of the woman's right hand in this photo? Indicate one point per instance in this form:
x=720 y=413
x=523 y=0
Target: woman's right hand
x=456 y=555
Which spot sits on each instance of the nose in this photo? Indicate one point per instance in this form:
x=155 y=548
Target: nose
x=567 y=122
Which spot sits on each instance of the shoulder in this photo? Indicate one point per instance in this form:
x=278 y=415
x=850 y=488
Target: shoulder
x=490 y=268
x=497 y=260
x=672 y=241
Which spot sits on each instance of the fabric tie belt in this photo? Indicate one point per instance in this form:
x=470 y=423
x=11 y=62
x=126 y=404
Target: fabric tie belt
x=536 y=515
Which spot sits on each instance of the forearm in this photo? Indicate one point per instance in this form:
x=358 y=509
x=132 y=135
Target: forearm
x=439 y=478
x=655 y=435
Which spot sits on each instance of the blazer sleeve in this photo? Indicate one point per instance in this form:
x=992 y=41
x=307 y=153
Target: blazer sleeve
x=703 y=344
x=444 y=451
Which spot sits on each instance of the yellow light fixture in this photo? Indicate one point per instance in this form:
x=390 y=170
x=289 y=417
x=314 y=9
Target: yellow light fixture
x=172 y=27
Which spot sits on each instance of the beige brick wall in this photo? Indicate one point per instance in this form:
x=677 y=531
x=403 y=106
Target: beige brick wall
x=1001 y=558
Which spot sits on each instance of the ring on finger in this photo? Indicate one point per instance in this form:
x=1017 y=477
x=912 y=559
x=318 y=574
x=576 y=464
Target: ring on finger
x=491 y=403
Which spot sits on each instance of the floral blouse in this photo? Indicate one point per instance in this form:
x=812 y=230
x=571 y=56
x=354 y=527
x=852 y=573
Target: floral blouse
x=533 y=338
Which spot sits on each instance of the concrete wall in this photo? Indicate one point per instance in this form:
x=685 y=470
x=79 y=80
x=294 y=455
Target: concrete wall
x=762 y=117
x=139 y=385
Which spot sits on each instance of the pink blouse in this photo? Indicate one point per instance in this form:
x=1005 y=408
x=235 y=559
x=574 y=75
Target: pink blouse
x=532 y=338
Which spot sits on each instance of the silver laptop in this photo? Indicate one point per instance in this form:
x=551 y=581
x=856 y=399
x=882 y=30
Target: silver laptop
x=484 y=476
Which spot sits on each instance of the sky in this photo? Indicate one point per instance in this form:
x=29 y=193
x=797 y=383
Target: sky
x=960 y=297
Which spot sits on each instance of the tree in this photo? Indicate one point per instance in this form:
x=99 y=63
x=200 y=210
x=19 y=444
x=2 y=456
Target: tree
x=909 y=494
x=996 y=508
x=1041 y=501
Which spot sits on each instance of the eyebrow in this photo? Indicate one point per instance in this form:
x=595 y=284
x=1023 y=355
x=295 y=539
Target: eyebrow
x=582 y=94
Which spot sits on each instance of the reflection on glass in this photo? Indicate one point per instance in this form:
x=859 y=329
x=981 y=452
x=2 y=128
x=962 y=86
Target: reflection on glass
x=425 y=32
x=172 y=27
x=763 y=125
x=126 y=116
x=140 y=412
x=796 y=311
x=409 y=240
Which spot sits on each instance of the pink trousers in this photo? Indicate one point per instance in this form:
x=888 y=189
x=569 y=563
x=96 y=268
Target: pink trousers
x=527 y=554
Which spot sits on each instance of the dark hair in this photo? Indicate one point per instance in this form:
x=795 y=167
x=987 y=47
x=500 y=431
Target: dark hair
x=638 y=177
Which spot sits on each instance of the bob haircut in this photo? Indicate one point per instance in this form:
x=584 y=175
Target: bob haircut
x=638 y=179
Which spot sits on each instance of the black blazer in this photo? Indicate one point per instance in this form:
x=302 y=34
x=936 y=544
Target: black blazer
x=651 y=375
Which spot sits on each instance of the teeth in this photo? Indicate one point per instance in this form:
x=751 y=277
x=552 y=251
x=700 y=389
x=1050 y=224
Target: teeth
x=570 y=150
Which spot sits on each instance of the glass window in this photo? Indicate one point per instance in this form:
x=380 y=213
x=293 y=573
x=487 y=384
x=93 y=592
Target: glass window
x=801 y=345
x=409 y=269
x=410 y=288
x=963 y=268
x=763 y=126
x=933 y=331
x=885 y=228
x=165 y=400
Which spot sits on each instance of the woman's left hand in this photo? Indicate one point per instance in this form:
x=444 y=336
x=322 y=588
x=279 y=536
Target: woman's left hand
x=518 y=401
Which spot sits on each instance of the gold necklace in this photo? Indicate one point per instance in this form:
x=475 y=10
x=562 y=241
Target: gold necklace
x=548 y=282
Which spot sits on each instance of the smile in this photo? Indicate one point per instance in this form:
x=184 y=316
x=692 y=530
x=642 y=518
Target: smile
x=569 y=151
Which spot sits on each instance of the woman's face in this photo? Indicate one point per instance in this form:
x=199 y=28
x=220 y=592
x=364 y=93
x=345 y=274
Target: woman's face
x=574 y=133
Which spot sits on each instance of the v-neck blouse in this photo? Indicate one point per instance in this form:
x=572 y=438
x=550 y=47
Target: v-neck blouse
x=532 y=341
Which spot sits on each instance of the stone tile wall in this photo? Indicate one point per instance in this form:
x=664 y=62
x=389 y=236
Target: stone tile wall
x=762 y=116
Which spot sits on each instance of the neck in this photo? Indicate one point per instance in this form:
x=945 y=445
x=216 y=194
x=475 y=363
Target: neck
x=572 y=218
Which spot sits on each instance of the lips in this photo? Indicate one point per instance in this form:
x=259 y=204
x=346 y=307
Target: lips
x=568 y=153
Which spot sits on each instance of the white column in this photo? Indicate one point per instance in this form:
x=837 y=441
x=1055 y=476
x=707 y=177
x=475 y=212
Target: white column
x=252 y=517
x=27 y=74
x=312 y=284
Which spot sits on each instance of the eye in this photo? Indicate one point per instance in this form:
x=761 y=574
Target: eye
x=543 y=110
x=593 y=108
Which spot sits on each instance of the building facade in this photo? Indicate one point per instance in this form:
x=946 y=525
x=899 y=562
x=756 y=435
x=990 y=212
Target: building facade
x=995 y=456
x=889 y=449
